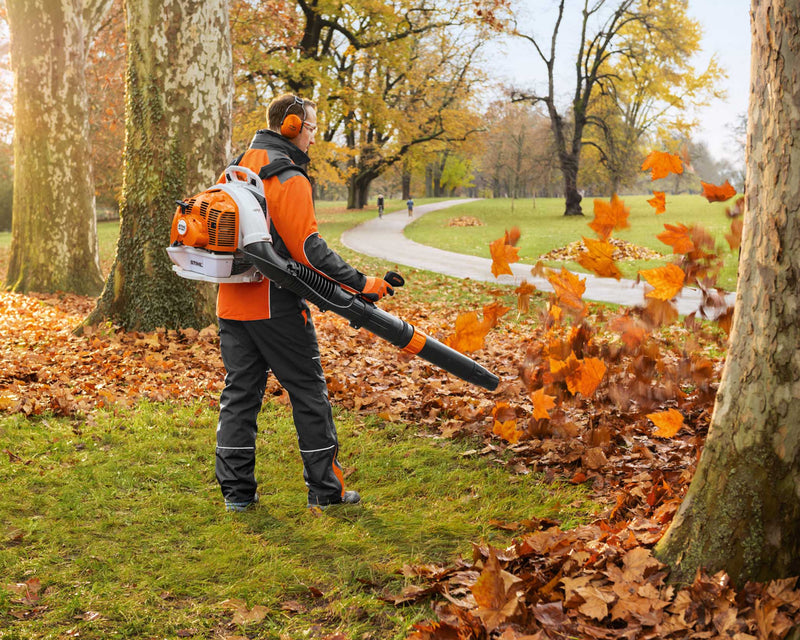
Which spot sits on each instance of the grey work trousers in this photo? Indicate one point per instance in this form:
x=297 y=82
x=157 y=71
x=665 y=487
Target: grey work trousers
x=287 y=346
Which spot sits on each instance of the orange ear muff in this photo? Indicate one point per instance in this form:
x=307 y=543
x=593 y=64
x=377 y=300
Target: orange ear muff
x=291 y=126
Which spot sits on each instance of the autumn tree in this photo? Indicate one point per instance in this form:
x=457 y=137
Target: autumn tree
x=105 y=80
x=386 y=76
x=650 y=90
x=517 y=158
x=177 y=126
x=742 y=511
x=54 y=234
x=607 y=31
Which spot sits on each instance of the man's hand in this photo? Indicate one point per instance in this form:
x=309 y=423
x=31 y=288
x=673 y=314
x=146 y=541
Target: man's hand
x=376 y=288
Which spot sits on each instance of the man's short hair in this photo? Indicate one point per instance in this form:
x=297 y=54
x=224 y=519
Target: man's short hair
x=282 y=106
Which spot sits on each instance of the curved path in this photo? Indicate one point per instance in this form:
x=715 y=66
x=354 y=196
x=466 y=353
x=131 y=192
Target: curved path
x=384 y=238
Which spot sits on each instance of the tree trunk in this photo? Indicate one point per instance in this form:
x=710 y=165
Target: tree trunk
x=406 y=183
x=54 y=232
x=569 y=170
x=742 y=510
x=358 y=190
x=178 y=127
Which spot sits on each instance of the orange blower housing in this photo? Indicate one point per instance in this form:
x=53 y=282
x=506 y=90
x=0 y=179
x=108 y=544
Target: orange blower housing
x=209 y=230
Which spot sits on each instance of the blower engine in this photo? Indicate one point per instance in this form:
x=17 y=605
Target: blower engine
x=222 y=235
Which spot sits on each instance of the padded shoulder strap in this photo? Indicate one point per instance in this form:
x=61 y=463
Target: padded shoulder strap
x=279 y=166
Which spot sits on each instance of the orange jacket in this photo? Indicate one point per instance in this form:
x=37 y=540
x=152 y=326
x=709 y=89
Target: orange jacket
x=293 y=227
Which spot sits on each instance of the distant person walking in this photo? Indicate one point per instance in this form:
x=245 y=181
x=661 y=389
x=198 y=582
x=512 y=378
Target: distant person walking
x=380 y=206
x=410 y=205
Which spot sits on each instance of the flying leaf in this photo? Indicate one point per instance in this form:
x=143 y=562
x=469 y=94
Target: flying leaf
x=524 y=292
x=469 y=335
x=721 y=193
x=492 y=314
x=662 y=164
x=668 y=423
x=734 y=238
x=658 y=202
x=667 y=281
x=677 y=237
x=512 y=237
x=630 y=330
x=471 y=332
x=569 y=289
x=609 y=216
x=504 y=253
x=587 y=377
x=542 y=403
x=598 y=258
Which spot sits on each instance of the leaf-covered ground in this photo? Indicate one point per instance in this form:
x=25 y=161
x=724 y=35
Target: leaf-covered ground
x=608 y=425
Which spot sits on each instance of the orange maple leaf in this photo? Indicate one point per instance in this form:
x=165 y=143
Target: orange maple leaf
x=505 y=422
x=668 y=423
x=512 y=237
x=662 y=164
x=714 y=193
x=677 y=237
x=587 y=377
x=569 y=289
x=598 y=258
x=524 y=292
x=609 y=216
x=471 y=332
x=734 y=238
x=492 y=313
x=658 y=201
x=504 y=253
x=542 y=403
x=469 y=335
x=667 y=281
x=631 y=330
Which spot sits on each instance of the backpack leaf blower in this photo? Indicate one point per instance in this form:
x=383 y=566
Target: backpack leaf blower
x=222 y=235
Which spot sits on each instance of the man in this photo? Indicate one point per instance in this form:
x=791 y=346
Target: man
x=263 y=327
x=380 y=206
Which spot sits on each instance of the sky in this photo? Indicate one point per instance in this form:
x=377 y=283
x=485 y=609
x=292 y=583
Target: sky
x=726 y=34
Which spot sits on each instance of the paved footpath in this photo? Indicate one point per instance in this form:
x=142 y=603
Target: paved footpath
x=384 y=238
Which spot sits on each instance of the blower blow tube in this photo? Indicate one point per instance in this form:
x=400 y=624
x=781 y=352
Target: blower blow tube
x=330 y=296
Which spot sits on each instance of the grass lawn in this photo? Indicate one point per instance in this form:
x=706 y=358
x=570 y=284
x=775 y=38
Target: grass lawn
x=544 y=228
x=120 y=519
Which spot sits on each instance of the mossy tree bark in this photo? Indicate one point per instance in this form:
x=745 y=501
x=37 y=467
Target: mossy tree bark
x=742 y=511
x=54 y=232
x=179 y=93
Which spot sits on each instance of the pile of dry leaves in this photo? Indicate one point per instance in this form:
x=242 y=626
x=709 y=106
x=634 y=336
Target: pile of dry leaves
x=594 y=581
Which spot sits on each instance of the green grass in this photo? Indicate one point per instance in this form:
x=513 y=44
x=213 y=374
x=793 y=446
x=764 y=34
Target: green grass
x=544 y=227
x=121 y=516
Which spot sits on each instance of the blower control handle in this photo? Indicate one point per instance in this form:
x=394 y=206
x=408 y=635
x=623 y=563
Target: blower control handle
x=394 y=279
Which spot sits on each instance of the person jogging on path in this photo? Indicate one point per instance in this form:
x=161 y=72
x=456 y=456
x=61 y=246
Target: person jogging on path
x=263 y=327
x=410 y=205
x=380 y=206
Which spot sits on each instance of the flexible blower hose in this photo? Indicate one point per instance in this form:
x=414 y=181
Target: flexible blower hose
x=329 y=296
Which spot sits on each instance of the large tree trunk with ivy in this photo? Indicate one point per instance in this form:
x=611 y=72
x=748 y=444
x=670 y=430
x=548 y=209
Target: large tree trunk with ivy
x=742 y=510
x=177 y=140
x=54 y=233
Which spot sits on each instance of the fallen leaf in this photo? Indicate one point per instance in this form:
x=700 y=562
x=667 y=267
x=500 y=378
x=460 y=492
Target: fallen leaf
x=668 y=423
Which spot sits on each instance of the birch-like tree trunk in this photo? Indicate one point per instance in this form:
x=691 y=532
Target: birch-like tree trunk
x=54 y=233
x=742 y=510
x=177 y=140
